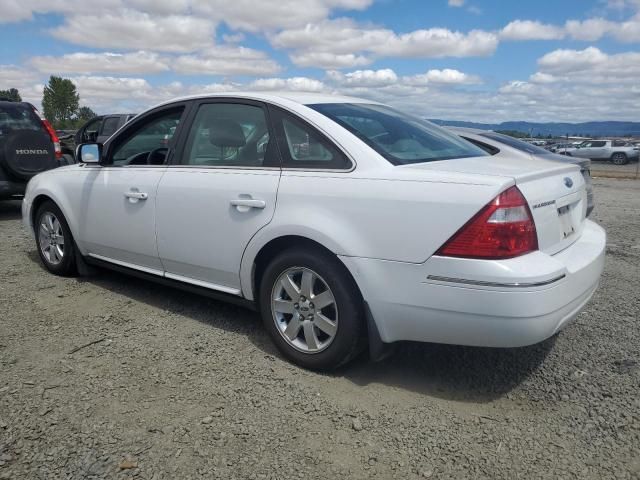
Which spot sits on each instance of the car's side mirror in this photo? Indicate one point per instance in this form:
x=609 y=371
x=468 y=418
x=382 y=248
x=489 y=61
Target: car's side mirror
x=89 y=153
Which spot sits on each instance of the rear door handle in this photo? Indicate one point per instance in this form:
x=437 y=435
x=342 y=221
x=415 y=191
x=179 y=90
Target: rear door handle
x=136 y=195
x=244 y=204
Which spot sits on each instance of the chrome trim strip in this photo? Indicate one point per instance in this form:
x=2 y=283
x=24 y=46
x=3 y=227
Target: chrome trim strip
x=200 y=283
x=133 y=266
x=171 y=276
x=481 y=283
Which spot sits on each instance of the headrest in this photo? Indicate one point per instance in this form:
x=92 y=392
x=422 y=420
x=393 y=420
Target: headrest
x=226 y=133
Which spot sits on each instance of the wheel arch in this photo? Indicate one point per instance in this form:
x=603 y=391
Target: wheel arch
x=45 y=195
x=261 y=250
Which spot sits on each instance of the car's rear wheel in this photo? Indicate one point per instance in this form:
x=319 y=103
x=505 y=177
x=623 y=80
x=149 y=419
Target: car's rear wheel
x=312 y=309
x=619 y=158
x=54 y=240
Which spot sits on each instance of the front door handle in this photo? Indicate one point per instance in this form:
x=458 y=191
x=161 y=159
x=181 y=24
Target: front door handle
x=136 y=195
x=245 y=204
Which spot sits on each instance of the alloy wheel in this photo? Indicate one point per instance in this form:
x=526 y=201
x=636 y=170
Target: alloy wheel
x=51 y=238
x=304 y=310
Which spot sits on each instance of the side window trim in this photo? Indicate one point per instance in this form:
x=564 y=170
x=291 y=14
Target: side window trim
x=279 y=131
x=135 y=123
x=187 y=123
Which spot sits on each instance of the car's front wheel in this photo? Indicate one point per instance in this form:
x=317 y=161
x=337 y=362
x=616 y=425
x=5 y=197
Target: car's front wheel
x=312 y=309
x=54 y=241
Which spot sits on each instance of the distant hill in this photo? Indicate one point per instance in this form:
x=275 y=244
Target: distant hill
x=587 y=129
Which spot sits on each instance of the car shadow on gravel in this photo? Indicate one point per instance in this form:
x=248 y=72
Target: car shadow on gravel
x=468 y=374
x=452 y=372
x=10 y=210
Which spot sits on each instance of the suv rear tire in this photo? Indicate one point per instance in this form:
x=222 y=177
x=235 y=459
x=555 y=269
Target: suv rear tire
x=619 y=158
x=319 y=336
x=54 y=241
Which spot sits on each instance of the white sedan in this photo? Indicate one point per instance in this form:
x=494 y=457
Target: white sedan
x=346 y=223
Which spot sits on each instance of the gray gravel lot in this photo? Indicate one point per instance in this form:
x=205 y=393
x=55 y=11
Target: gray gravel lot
x=179 y=386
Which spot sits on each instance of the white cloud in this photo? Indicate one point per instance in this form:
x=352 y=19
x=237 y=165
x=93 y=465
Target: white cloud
x=267 y=15
x=12 y=76
x=226 y=60
x=327 y=60
x=105 y=62
x=343 y=43
x=385 y=84
x=446 y=76
x=295 y=84
x=572 y=60
x=129 y=29
x=531 y=30
x=364 y=78
x=456 y=3
x=540 y=77
x=588 y=30
x=248 y=15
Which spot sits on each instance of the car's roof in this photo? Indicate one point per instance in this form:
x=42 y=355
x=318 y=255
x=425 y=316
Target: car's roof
x=302 y=98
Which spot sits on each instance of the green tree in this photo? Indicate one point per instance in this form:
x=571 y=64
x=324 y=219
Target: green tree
x=60 y=102
x=85 y=113
x=11 y=94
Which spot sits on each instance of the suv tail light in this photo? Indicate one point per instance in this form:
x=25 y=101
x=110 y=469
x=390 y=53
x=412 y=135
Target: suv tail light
x=502 y=229
x=52 y=134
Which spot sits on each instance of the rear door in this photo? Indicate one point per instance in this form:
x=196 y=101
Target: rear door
x=218 y=193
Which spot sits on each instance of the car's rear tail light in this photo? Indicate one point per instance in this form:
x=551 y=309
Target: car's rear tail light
x=52 y=134
x=502 y=229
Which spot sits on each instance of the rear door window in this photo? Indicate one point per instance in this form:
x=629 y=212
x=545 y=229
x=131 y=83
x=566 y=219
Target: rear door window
x=303 y=146
x=230 y=135
x=18 y=117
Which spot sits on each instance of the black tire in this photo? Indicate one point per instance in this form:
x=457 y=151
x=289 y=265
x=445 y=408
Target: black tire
x=67 y=265
x=350 y=334
x=619 y=158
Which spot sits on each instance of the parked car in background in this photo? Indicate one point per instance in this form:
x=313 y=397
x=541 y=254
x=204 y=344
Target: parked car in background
x=618 y=152
x=560 y=147
x=500 y=144
x=386 y=227
x=28 y=146
x=98 y=129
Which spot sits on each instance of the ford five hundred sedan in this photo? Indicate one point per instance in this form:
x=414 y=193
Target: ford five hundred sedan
x=346 y=223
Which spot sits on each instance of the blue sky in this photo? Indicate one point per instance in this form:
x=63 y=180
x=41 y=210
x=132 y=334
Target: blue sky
x=484 y=60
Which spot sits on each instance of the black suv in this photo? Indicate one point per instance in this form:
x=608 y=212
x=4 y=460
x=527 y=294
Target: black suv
x=28 y=146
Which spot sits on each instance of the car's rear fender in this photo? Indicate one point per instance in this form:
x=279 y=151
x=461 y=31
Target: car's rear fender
x=400 y=220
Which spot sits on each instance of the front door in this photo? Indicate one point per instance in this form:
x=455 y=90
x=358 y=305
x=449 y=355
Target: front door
x=119 y=198
x=218 y=194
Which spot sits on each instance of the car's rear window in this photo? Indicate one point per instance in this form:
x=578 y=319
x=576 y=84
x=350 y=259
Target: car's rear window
x=398 y=137
x=515 y=143
x=18 y=117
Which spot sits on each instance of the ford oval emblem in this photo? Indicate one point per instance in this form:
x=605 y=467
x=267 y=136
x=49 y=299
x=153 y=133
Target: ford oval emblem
x=568 y=182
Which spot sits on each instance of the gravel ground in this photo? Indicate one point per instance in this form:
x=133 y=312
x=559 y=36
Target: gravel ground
x=601 y=168
x=179 y=386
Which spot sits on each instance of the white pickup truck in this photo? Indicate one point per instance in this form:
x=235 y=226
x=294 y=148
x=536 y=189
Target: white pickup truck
x=618 y=151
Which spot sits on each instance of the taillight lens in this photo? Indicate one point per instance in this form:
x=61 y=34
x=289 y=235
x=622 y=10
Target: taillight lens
x=502 y=229
x=52 y=134
x=54 y=137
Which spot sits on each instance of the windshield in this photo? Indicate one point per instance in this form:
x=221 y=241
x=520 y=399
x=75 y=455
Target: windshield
x=400 y=138
x=515 y=143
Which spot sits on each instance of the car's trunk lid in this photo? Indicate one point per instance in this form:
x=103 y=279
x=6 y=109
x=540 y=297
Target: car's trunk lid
x=555 y=192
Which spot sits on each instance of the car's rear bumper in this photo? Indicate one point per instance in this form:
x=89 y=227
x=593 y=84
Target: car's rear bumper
x=10 y=189
x=506 y=303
